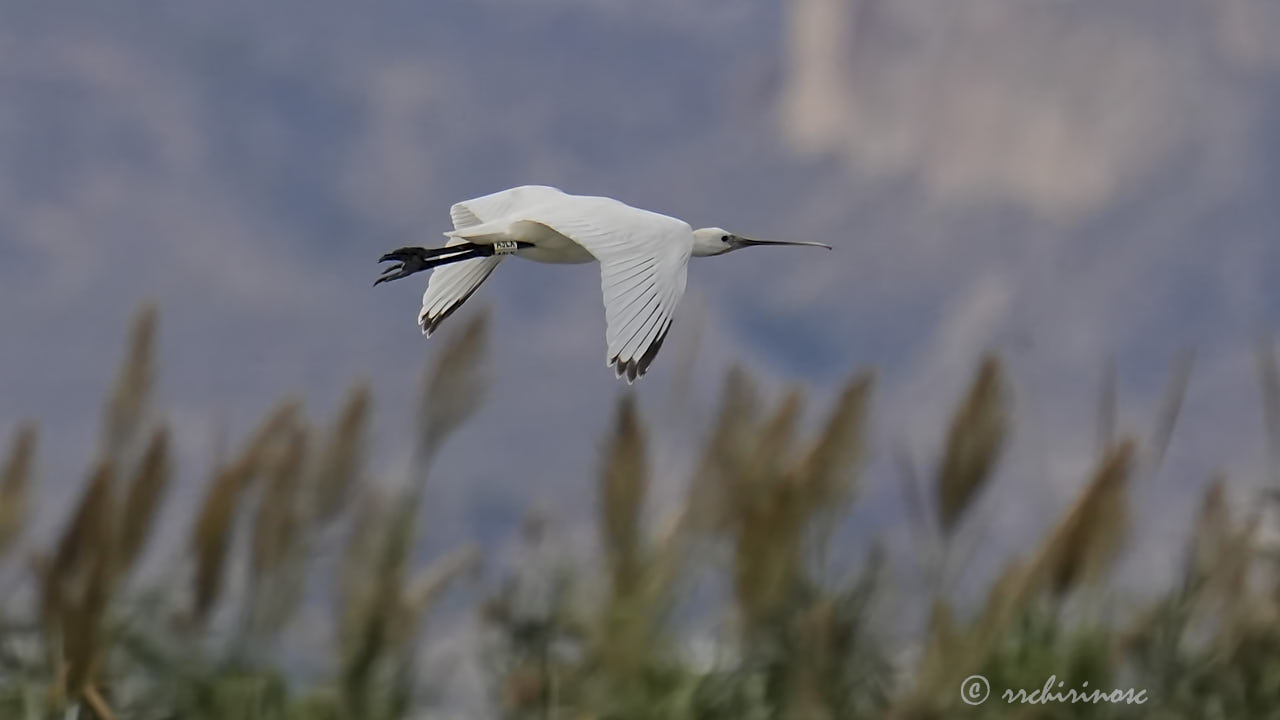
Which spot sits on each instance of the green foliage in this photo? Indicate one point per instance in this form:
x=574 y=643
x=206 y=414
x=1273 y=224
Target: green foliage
x=213 y=638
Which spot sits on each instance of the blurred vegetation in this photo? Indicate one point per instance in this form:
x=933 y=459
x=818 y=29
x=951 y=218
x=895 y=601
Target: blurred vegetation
x=289 y=521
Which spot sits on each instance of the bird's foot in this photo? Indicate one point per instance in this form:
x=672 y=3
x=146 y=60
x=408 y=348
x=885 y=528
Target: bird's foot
x=408 y=260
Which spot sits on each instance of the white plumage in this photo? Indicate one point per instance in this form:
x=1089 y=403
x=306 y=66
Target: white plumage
x=643 y=258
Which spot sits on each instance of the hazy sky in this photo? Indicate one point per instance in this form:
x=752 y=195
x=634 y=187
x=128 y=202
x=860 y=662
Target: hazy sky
x=1059 y=181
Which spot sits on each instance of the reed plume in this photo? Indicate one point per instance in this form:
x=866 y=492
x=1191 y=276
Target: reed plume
x=773 y=450
x=1082 y=545
x=975 y=440
x=725 y=455
x=278 y=535
x=342 y=456
x=76 y=584
x=127 y=406
x=1079 y=549
x=640 y=571
x=215 y=521
x=454 y=386
x=277 y=521
x=15 y=484
x=143 y=499
x=777 y=499
x=770 y=510
x=1211 y=534
x=423 y=590
x=1171 y=405
x=830 y=464
x=1269 y=378
x=623 y=487
x=378 y=553
x=369 y=631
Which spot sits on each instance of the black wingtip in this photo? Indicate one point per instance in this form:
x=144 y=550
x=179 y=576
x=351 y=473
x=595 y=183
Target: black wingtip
x=635 y=368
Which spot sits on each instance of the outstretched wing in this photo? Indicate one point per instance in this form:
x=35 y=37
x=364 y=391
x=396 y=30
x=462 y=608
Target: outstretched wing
x=451 y=285
x=501 y=204
x=643 y=261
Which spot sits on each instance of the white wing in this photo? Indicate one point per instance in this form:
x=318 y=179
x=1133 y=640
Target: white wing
x=451 y=285
x=502 y=203
x=643 y=258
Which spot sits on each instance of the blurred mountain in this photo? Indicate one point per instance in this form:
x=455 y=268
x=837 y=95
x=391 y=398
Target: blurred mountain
x=1058 y=106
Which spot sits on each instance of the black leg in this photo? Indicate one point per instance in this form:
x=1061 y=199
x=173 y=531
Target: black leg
x=410 y=260
x=406 y=254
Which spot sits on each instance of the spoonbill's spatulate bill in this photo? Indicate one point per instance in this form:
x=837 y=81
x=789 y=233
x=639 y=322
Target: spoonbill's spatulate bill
x=643 y=256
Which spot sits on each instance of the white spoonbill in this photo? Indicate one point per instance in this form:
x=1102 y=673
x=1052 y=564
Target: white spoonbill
x=643 y=256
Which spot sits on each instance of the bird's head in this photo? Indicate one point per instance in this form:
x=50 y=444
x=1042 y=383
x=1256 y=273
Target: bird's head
x=718 y=241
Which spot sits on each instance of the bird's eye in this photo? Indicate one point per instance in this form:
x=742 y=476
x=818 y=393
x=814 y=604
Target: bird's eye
x=724 y=238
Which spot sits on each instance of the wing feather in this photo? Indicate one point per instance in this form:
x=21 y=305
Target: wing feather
x=643 y=331
x=451 y=285
x=501 y=204
x=643 y=261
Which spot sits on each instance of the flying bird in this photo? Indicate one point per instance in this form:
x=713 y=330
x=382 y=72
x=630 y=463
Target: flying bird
x=643 y=256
